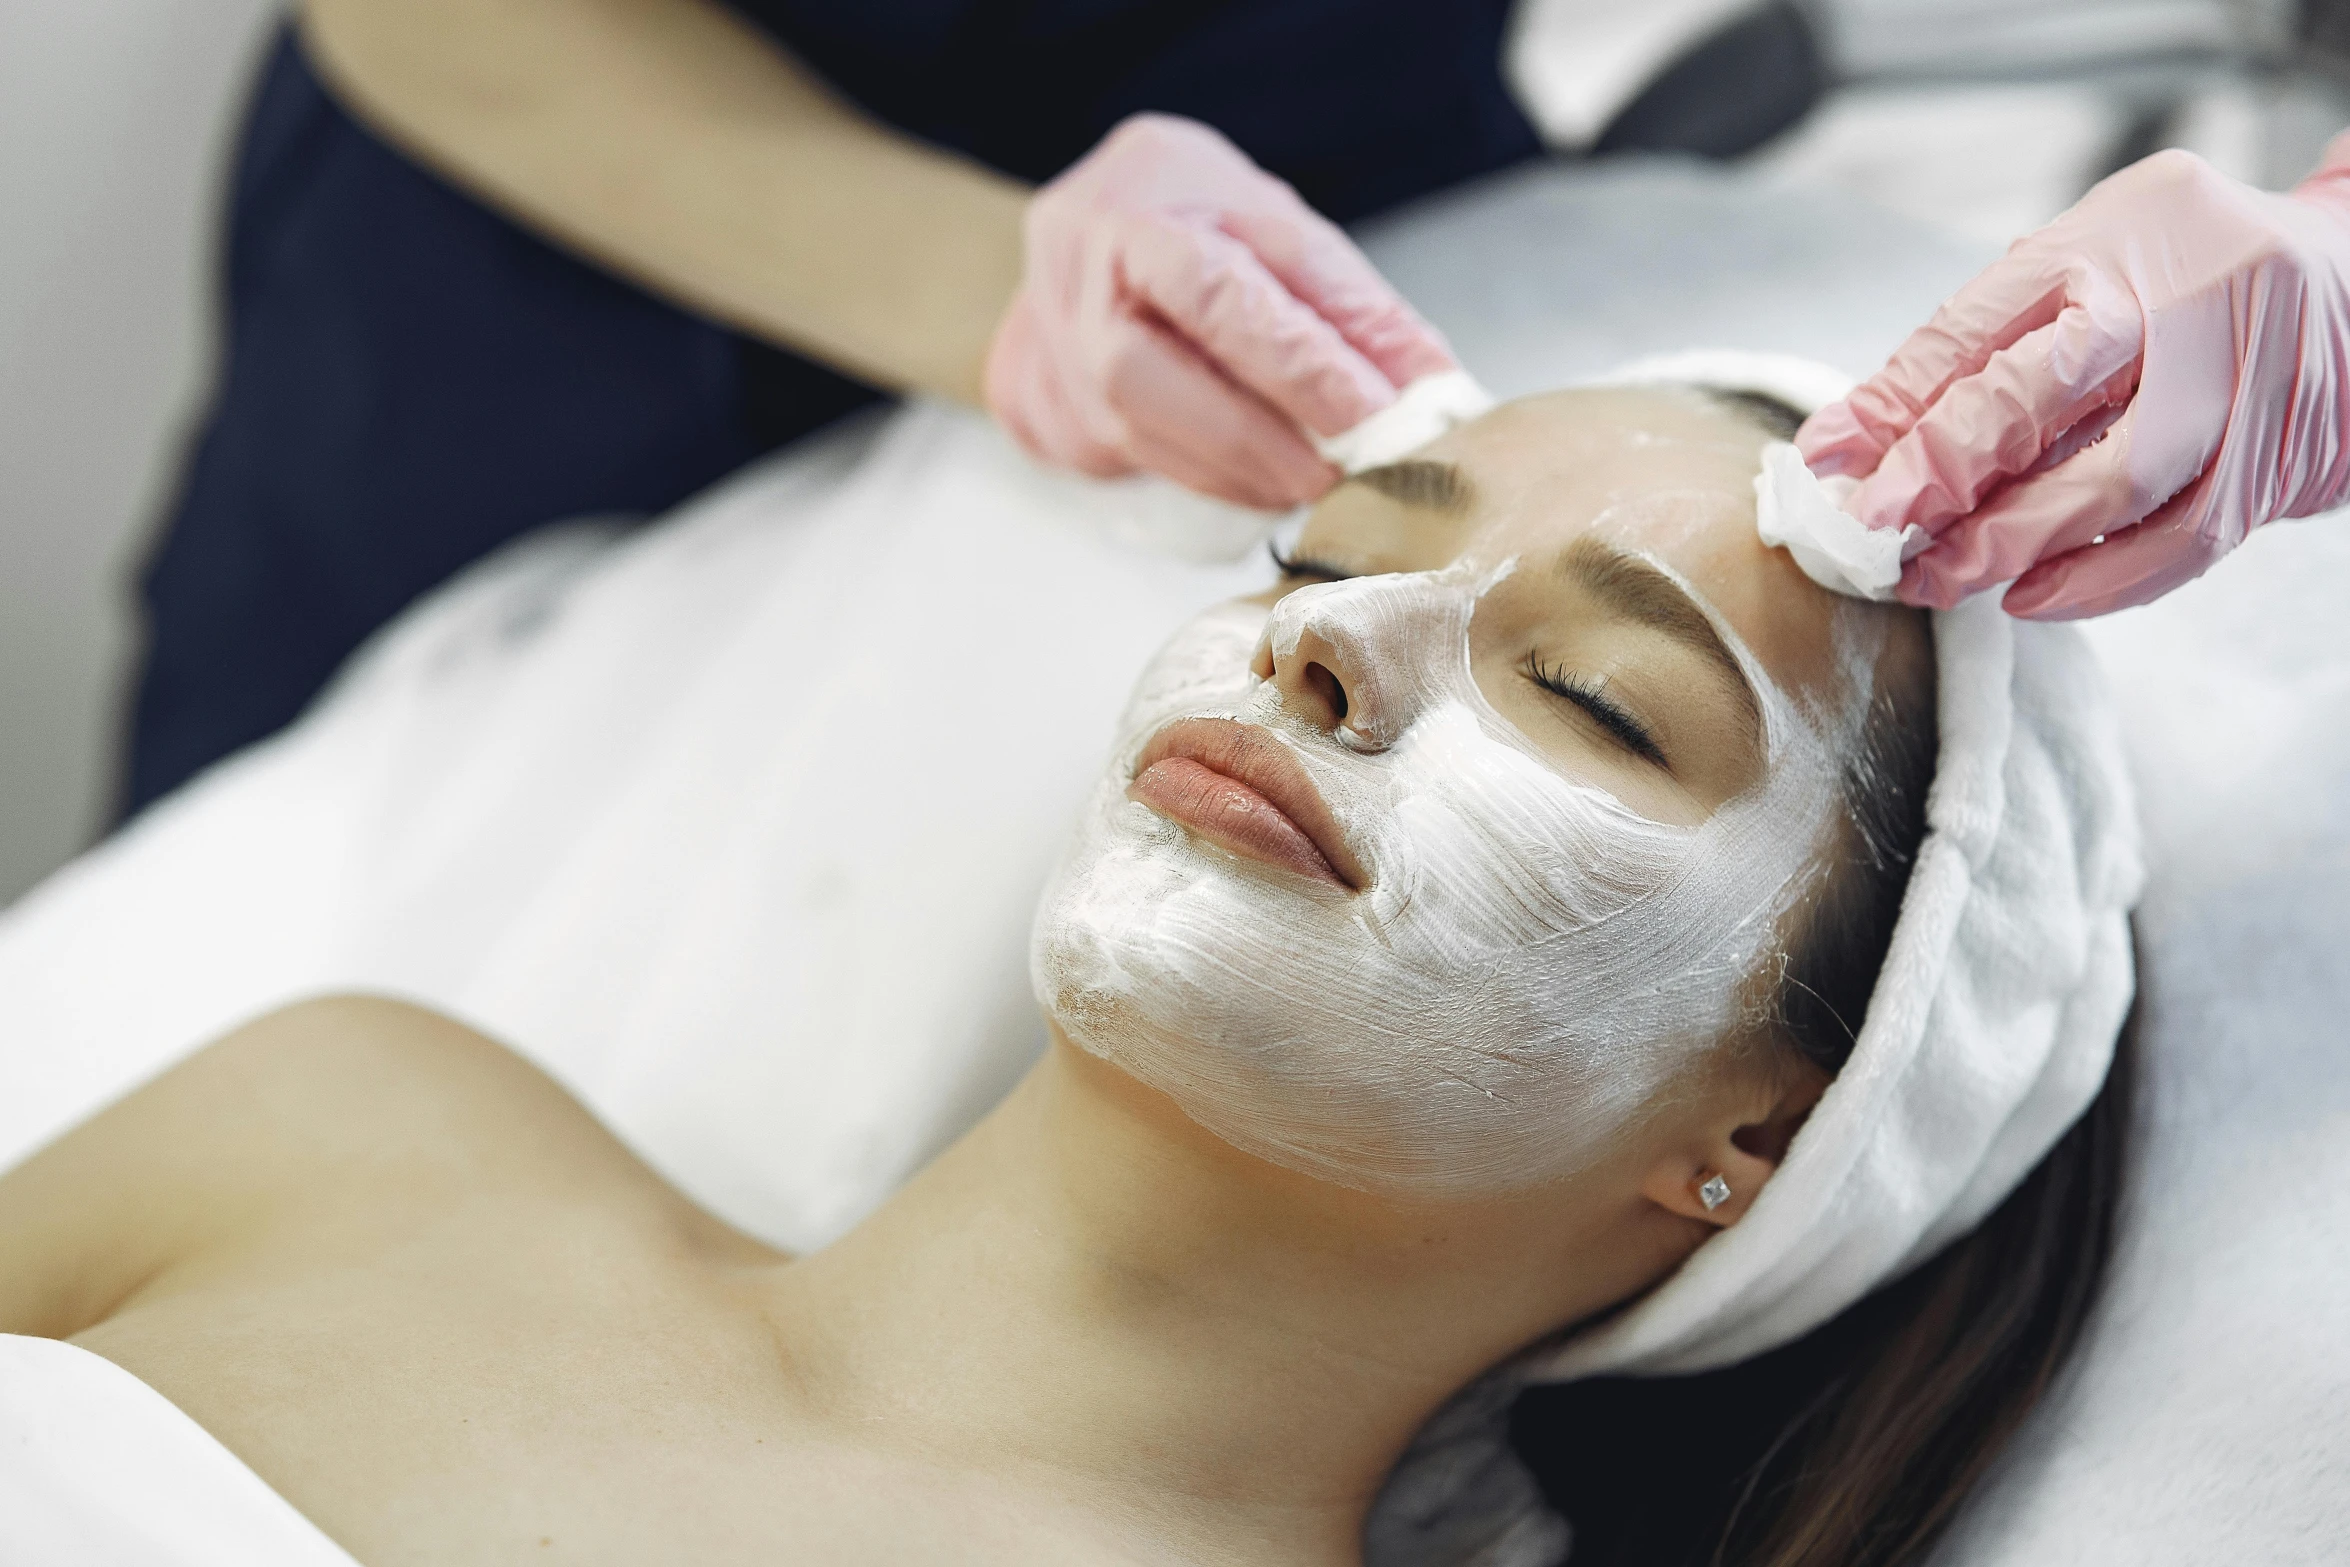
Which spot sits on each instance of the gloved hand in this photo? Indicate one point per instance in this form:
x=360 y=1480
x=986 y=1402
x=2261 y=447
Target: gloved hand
x=1187 y=313
x=2165 y=367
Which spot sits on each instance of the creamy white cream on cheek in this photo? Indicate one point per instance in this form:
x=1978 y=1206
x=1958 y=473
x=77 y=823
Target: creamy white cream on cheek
x=1528 y=963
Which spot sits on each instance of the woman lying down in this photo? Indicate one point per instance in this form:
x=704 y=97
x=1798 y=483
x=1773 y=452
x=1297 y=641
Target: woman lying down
x=1544 y=938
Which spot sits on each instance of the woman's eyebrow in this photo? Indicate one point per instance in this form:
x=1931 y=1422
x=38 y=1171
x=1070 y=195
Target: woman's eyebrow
x=1632 y=589
x=1421 y=482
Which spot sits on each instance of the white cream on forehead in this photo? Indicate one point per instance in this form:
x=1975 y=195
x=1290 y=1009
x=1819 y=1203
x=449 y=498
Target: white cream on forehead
x=1529 y=962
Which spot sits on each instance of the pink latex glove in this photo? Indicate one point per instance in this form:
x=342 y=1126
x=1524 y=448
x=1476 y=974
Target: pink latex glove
x=1186 y=313
x=2166 y=366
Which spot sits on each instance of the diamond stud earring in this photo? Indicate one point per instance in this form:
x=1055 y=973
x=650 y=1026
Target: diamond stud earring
x=1714 y=1193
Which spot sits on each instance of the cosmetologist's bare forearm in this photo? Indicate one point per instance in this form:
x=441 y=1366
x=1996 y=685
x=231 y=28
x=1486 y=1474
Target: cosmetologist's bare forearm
x=674 y=143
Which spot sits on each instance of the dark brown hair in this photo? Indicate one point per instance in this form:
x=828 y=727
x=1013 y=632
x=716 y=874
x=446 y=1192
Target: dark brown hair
x=1854 y=1446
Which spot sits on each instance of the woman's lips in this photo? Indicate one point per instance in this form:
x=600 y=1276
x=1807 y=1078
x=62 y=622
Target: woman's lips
x=1236 y=786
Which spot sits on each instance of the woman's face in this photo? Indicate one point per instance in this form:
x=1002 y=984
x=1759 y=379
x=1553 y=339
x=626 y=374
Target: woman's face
x=1590 y=492
x=1430 y=868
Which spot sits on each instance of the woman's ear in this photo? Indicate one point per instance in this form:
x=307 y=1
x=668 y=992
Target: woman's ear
x=1715 y=1175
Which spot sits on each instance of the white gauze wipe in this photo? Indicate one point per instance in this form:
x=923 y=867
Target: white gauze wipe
x=1798 y=511
x=1422 y=411
x=1529 y=963
x=1794 y=508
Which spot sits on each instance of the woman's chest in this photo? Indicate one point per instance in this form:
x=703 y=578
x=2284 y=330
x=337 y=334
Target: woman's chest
x=447 y=1404
x=562 y=1403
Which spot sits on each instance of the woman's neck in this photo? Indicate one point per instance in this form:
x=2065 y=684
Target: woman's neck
x=1091 y=1293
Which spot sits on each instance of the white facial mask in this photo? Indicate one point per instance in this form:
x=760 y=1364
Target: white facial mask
x=1528 y=963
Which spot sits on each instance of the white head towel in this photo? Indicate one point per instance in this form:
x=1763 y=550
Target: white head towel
x=1989 y=1031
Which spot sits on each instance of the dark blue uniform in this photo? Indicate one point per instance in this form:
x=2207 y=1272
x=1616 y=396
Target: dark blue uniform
x=411 y=380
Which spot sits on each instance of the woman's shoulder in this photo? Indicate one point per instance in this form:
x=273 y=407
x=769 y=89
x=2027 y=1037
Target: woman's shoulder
x=368 y=1093
x=345 y=1081
x=351 y=1114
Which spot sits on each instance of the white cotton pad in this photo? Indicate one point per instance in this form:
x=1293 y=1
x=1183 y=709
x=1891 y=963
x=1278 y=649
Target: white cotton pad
x=1420 y=413
x=1802 y=513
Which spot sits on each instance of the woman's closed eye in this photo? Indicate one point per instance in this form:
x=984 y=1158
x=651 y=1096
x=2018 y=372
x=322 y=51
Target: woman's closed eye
x=1588 y=693
x=1305 y=568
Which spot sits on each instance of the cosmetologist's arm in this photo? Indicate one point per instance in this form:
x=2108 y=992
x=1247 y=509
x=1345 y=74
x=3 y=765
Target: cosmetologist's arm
x=679 y=146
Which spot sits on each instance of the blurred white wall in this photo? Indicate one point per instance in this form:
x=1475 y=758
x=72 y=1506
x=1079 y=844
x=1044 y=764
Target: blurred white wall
x=114 y=122
x=1993 y=160
x=1979 y=37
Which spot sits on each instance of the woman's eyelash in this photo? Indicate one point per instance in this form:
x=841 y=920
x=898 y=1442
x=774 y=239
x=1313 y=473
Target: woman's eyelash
x=1591 y=696
x=1304 y=565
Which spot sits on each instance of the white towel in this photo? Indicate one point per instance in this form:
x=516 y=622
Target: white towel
x=97 y=1469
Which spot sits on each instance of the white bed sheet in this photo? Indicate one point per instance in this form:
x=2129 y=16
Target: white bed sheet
x=2210 y=1417
x=734 y=826
x=97 y=1469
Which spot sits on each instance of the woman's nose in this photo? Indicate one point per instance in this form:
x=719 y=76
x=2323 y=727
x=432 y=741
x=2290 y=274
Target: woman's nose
x=1331 y=653
x=1308 y=678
